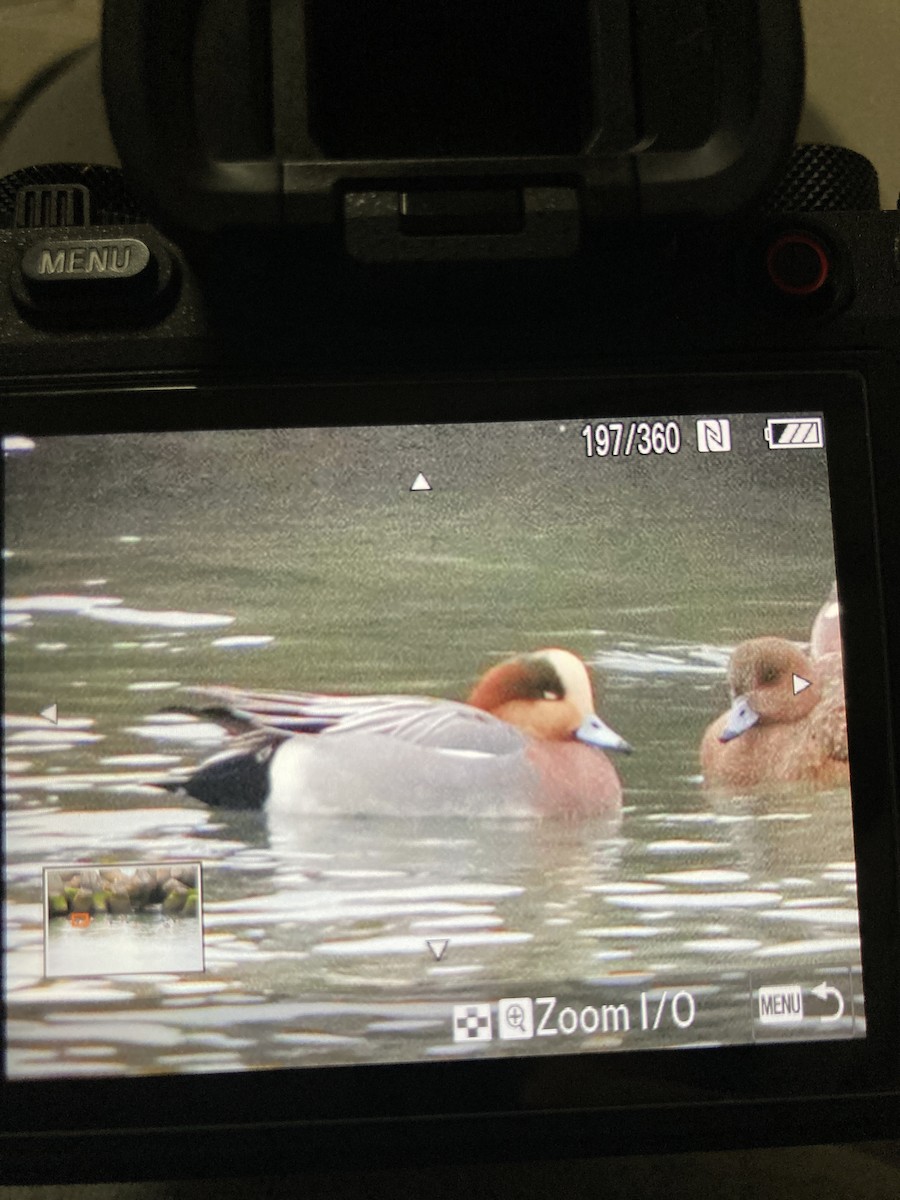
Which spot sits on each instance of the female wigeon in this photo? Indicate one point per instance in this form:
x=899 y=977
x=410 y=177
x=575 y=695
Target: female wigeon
x=528 y=742
x=826 y=631
x=786 y=723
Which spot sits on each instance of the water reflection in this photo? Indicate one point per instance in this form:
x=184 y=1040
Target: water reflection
x=316 y=935
x=340 y=913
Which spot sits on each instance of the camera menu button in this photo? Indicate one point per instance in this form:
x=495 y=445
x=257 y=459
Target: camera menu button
x=99 y=260
x=102 y=278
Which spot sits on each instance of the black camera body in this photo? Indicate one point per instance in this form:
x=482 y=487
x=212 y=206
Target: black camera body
x=289 y=203
x=301 y=236
x=115 y=295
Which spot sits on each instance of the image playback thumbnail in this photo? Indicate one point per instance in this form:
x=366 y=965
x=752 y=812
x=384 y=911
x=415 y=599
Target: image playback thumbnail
x=124 y=919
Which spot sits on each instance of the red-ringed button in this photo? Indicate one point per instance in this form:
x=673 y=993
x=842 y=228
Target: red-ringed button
x=798 y=264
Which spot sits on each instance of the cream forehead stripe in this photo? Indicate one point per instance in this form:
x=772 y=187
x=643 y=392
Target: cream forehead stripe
x=574 y=678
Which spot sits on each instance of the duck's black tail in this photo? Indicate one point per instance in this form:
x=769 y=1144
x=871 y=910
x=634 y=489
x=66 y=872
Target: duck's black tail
x=237 y=778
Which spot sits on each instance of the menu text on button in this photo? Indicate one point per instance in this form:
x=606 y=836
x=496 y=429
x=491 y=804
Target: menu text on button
x=780 y=1005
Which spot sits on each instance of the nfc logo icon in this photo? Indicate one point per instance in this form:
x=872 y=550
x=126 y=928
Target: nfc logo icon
x=714 y=436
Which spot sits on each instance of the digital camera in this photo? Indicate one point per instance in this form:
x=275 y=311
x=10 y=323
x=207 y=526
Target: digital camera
x=450 y=596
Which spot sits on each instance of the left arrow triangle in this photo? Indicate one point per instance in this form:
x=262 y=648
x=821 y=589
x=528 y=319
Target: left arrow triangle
x=50 y=713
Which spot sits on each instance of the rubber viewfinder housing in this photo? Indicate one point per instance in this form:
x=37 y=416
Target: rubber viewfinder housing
x=237 y=113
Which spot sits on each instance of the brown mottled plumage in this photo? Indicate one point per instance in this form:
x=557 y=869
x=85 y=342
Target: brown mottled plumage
x=774 y=733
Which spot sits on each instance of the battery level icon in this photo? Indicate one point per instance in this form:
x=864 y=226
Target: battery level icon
x=795 y=433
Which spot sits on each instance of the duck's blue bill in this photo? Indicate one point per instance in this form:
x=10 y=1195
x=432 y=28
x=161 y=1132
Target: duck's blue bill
x=741 y=717
x=594 y=732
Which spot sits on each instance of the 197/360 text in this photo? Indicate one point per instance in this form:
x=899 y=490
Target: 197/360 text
x=611 y=439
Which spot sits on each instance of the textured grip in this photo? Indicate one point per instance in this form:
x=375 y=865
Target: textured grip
x=111 y=203
x=825 y=179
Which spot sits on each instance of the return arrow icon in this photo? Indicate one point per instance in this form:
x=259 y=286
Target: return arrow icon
x=826 y=992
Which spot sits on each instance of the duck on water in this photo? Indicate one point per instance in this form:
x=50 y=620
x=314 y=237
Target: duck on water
x=527 y=742
x=787 y=721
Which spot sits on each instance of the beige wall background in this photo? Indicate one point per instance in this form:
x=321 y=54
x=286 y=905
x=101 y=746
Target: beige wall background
x=853 y=68
x=33 y=33
x=853 y=82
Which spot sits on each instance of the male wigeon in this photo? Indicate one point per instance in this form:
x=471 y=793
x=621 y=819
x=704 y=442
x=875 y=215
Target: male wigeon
x=826 y=631
x=786 y=723
x=527 y=742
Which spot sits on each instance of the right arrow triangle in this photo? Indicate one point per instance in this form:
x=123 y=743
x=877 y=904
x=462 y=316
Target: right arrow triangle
x=420 y=484
x=800 y=684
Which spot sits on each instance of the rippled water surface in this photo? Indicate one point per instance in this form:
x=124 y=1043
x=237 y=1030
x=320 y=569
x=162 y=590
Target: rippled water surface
x=134 y=569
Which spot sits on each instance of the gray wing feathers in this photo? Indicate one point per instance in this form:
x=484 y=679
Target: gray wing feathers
x=441 y=724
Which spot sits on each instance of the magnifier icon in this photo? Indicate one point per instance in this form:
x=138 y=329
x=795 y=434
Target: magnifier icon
x=515 y=1016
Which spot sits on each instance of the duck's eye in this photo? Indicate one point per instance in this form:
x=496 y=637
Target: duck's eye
x=552 y=696
x=768 y=673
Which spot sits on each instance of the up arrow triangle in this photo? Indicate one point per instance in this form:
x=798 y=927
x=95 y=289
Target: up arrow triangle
x=438 y=947
x=799 y=684
x=51 y=713
x=420 y=484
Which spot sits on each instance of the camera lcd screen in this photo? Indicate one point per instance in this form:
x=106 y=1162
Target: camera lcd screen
x=405 y=743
